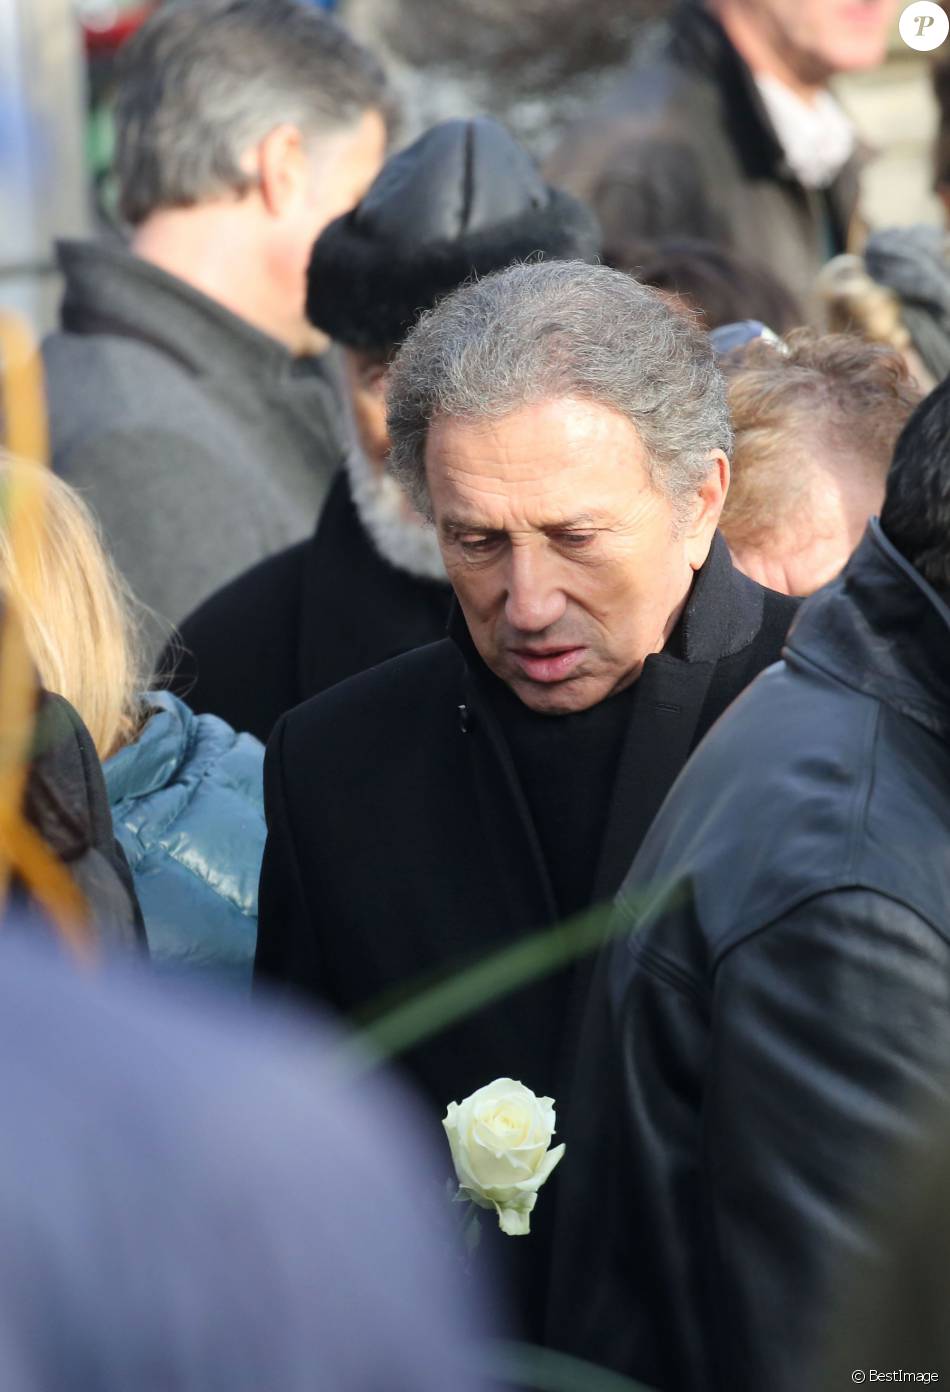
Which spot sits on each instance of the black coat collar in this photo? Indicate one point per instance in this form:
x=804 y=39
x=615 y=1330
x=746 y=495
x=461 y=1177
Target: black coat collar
x=699 y=44
x=111 y=291
x=722 y=616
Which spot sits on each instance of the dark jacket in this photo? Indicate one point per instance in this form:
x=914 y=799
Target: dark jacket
x=755 y=1048
x=302 y=621
x=400 y=846
x=187 y=801
x=66 y=803
x=684 y=148
x=200 y=442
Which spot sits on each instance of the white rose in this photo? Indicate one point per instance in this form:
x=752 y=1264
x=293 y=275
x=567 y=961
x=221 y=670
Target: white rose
x=499 y=1138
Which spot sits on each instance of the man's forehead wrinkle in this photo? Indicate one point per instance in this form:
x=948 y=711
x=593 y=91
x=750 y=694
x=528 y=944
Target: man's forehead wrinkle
x=455 y=520
x=522 y=451
x=510 y=491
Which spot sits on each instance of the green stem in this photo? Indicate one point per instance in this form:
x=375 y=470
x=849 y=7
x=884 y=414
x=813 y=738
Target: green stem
x=535 y=1369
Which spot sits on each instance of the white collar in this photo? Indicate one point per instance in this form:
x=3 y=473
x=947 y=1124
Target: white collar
x=817 y=137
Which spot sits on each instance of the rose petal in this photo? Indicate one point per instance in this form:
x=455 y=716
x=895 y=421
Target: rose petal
x=543 y=1173
x=492 y=1169
x=505 y=1129
x=515 y=1219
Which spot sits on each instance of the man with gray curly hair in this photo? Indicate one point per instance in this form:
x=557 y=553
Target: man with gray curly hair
x=567 y=434
x=185 y=399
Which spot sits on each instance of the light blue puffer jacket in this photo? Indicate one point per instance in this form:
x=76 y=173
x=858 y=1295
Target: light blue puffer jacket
x=188 y=808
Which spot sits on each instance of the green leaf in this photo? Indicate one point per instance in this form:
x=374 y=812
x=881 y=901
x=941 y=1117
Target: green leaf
x=535 y=1369
x=389 y=1032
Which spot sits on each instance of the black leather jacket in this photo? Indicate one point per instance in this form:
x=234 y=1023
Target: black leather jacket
x=767 y=1035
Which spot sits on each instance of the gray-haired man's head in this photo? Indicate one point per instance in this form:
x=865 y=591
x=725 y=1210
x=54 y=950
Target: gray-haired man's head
x=204 y=81
x=567 y=432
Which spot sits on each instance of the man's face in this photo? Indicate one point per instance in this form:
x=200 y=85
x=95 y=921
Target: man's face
x=344 y=165
x=823 y=37
x=301 y=188
x=567 y=563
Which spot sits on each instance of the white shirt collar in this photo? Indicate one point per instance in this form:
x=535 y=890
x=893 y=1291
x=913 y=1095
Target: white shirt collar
x=817 y=137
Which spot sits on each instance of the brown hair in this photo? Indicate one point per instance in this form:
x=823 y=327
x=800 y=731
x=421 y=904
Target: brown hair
x=833 y=393
x=855 y=303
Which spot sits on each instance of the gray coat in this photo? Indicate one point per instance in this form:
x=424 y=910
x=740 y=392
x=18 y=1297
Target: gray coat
x=684 y=148
x=201 y=443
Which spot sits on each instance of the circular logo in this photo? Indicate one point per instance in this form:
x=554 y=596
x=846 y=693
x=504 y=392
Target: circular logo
x=858 y=1375
x=924 y=26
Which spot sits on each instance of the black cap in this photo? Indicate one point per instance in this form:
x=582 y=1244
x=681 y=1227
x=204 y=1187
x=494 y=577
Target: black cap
x=464 y=200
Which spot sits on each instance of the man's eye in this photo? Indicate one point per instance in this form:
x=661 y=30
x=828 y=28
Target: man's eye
x=575 y=541
x=478 y=545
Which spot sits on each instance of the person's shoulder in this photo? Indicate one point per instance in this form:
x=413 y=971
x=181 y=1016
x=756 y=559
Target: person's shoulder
x=228 y=763
x=771 y=809
x=192 y=804
x=120 y=371
x=408 y=688
x=108 y=393
x=786 y=711
x=262 y=592
x=211 y=756
x=773 y=611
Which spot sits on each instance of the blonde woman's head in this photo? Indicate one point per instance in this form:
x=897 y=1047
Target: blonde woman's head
x=855 y=303
x=77 y=615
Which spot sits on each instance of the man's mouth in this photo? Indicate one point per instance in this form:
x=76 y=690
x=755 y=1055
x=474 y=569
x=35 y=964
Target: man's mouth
x=548 y=664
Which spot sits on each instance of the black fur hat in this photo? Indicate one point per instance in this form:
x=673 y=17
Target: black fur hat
x=465 y=199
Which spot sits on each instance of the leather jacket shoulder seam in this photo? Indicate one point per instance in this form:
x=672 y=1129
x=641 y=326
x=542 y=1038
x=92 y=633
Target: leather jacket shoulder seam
x=665 y=970
x=848 y=887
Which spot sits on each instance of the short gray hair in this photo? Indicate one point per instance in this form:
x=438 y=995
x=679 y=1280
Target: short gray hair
x=546 y=330
x=203 y=80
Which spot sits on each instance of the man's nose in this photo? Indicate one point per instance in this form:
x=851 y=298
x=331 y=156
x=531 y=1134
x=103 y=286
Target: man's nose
x=534 y=600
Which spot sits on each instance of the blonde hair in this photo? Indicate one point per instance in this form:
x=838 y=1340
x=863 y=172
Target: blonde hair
x=78 y=617
x=855 y=303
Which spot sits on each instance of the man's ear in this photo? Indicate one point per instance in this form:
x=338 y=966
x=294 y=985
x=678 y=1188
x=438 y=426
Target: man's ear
x=707 y=509
x=283 y=169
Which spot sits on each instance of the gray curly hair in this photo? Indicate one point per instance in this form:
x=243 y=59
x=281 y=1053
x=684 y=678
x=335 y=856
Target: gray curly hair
x=544 y=330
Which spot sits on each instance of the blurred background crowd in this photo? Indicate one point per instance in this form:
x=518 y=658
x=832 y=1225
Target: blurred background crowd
x=304 y=306
x=536 y=67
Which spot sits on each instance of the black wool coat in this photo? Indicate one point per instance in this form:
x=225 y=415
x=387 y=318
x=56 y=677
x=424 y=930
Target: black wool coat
x=300 y=622
x=400 y=846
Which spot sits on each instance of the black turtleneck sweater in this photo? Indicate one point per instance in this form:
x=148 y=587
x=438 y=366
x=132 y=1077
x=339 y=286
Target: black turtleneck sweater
x=566 y=765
